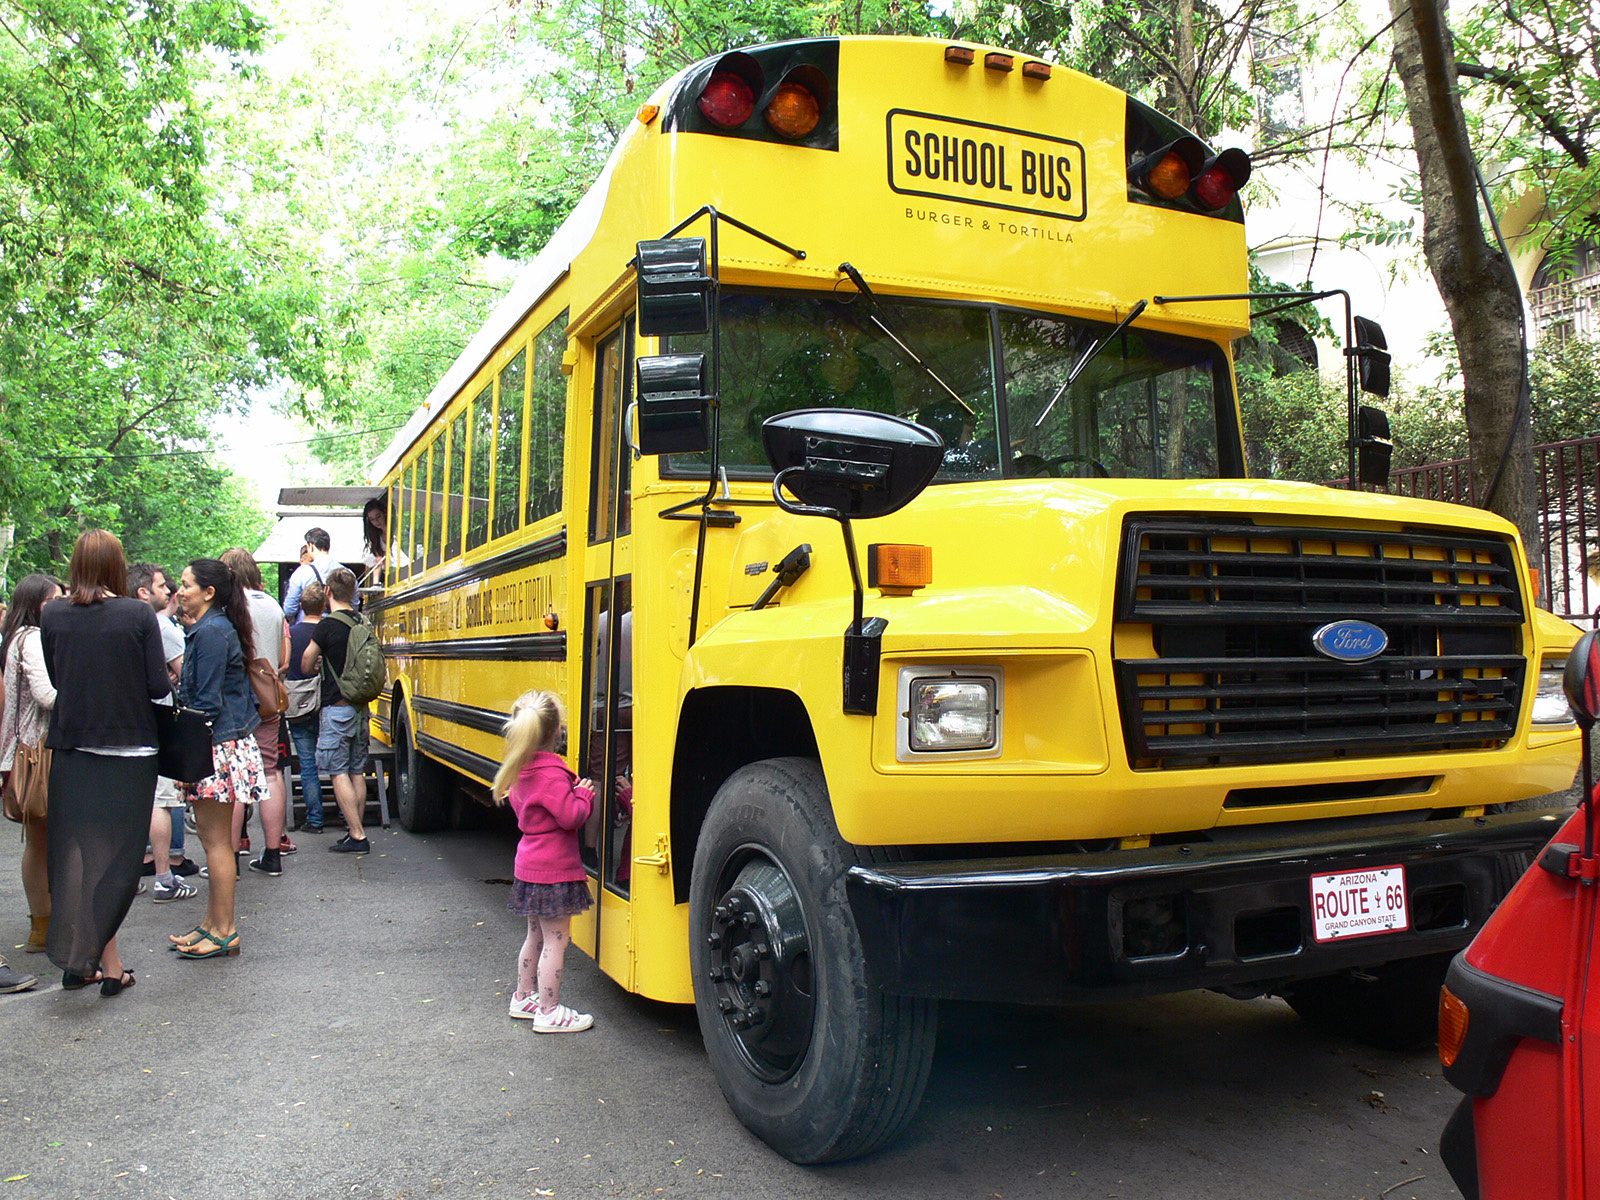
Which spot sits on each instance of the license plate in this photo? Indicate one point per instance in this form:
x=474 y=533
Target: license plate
x=1353 y=904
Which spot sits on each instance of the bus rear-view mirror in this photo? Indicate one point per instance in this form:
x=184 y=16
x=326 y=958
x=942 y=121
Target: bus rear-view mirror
x=1374 y=450
x=674 y=287
x=856 y=464
x=1581 y=680
x=672 y=407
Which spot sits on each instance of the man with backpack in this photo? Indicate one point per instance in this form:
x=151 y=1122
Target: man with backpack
x=345 y=648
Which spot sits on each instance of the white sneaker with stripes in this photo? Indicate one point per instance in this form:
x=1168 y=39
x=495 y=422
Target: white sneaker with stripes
x=560 y=1019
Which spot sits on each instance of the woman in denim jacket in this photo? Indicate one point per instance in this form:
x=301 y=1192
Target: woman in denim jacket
x=219 y=644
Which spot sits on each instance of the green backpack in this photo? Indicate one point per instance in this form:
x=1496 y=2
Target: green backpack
x=363 y=677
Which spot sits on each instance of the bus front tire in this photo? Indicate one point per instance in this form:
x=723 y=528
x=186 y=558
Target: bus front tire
x=811 y=1056
x=421 y=784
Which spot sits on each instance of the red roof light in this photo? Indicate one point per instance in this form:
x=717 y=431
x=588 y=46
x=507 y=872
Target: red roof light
x=727 y=100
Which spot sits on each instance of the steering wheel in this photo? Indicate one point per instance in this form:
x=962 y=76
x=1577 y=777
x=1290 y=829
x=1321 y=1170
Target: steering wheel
x=1032 y=466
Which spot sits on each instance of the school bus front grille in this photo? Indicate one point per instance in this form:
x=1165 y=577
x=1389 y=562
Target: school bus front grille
x=1231 y=607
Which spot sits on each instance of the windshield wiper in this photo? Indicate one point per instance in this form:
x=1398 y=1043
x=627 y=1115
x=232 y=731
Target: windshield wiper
x=1089 y=356
x=876 y=317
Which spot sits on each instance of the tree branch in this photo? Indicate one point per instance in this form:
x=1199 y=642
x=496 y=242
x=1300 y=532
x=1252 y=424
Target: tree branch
x=1546 y=120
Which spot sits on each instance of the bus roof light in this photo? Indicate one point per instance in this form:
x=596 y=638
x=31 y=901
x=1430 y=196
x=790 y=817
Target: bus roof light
x=1219 y=181
x=1168 y=172
x=1036 y=70
x=960 y=55
x=797 y=103
x=998 y=62
x=727 y=100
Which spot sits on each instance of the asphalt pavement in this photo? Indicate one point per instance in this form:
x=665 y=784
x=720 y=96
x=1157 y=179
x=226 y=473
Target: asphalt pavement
x=360 y=1047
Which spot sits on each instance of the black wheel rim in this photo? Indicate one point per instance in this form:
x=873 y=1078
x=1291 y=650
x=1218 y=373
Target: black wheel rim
x=760 y=965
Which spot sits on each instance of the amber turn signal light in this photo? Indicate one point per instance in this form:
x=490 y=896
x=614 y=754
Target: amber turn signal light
x=793 y=111
x=898 y=570
x=1452 y=1026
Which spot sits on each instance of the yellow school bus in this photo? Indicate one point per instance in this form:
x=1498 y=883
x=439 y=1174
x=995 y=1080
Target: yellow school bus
x=861 y=462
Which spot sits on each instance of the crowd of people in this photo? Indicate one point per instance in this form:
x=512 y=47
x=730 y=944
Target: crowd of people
x=87 y=662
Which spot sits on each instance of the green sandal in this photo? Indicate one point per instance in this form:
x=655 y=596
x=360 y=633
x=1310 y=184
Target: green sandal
x=175 y=941
x=228 y=946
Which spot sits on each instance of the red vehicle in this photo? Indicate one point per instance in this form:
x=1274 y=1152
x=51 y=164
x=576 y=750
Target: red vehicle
x=1519 y=1015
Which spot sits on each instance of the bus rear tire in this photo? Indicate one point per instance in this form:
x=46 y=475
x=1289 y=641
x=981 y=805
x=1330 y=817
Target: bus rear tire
x=421 y=785
x=811 y=1056
x=1392 y=1007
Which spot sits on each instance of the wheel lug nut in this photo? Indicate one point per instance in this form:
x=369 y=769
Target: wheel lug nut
x=757 y=1015
x=721 y=912
x=725 y=1005
x=763 y=950
x=749 y=919
x=714 y=940
x=763 y=988
x=717 y=974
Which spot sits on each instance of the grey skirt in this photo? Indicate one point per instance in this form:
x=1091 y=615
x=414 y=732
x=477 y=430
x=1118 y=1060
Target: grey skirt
x=98 y=824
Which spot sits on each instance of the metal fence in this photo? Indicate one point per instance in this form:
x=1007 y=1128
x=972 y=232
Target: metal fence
x=1569 y=491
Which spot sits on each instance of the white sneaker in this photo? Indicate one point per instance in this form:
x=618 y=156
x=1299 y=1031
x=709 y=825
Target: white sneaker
x=525 y=1009
x=560 y=1019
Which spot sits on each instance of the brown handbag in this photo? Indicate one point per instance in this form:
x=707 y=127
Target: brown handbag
x=271 y=696
x=27 y=790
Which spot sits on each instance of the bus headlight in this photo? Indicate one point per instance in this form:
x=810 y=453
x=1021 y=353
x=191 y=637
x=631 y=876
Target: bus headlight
x=1550 y=701
x=953 y=712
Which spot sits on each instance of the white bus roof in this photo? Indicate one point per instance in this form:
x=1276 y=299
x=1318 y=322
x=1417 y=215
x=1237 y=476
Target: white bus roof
x=534 y=281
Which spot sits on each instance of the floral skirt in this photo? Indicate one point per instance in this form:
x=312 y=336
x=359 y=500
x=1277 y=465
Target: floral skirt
x=240 y=778
x=549 y=899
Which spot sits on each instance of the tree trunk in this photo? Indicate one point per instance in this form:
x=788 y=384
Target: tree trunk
x=1477 y=284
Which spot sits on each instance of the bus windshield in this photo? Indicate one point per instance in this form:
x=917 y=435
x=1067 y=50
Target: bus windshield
x=1145 y=407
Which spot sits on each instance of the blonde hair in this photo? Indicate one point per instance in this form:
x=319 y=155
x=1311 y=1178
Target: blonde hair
x=534 y=725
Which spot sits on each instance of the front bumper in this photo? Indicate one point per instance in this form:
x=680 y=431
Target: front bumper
x=1232 y=914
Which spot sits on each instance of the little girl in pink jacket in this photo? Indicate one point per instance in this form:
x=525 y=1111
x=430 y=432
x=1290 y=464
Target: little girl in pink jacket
x=551 y=885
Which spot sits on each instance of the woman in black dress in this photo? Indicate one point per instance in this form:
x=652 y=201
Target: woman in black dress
x=103 y=651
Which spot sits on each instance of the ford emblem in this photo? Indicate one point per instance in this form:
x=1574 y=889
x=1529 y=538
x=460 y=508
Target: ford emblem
x=1350 y=641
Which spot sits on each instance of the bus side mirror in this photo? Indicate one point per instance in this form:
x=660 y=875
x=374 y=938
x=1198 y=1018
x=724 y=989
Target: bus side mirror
x=1581 y=680
x=674 y=287
x=842 y=463
x=846 y=463
x=672 y=407
x=1372 y=357
x=1374 y=450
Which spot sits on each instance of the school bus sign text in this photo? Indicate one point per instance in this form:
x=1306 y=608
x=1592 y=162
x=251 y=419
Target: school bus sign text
x=989 y=165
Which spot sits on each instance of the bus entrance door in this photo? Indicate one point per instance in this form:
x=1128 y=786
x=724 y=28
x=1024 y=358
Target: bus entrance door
x=606 y=721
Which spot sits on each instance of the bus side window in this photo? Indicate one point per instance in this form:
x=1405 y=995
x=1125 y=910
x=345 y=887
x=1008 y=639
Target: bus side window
x=402 y=531
x=455 y=486
x=547 y=421
x=509 y=441
x=477 y=489
x=430 y=470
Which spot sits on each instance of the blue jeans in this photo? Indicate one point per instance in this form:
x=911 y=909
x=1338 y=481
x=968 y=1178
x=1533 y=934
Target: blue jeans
x=304 y=734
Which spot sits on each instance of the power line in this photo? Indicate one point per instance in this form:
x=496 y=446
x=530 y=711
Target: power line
x=326 y=437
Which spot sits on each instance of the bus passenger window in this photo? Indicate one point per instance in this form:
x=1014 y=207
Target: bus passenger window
x=508 y=446
x=404 y=542
x=547 y=421
x=455 y=486
x=430 y=486
x=478 y=481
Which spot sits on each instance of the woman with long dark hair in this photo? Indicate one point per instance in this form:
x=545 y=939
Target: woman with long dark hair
x=103 y=651
x=29 y=697
x=220 y=642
